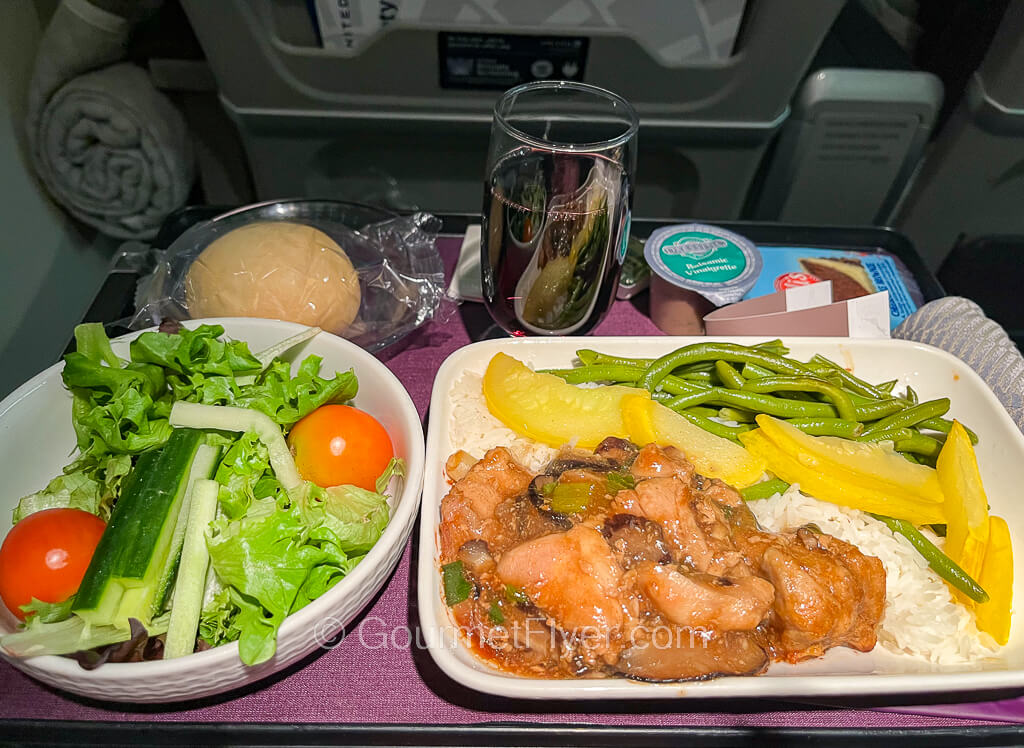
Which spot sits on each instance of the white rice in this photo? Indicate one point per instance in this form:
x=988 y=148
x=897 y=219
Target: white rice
x=921 y=618
x=474 y=429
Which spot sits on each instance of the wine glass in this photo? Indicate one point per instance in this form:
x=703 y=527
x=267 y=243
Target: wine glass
x=557 y=200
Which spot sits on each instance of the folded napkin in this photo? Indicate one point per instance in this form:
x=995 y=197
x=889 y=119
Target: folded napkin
x=109 y=147
x=959 y=326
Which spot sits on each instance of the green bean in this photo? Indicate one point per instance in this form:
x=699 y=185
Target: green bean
x=920 y=444
x=597 y=373
x=763 y=490
x=943 y=425
x=707 y=367
x=736 y=415
x=872 y=411
x=714 y=427
x=843 y=405
x=704 y=377
x=773 y=346
x=827 y=426
x=688 y=399
x=942 y=564
x=848 y=380
x=889 y=415
x=773 y=406
x=729 y=376
x=588 y=357
x=912 y=416
x=862 y=400
x=627 y=373
x=887 y=387
x=804 y=397
x=753 y=371
x=678 y=386
x=912 y=396
x=888 y=435
x=702 y=410
x=777 y=406
x=911 y=457
x=731 y=352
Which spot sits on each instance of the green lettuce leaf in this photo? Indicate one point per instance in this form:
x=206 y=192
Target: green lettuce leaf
x=123 y=408
x=195 y=351
x=38 y=610
x=265 y=559
x=286 y=399
x=216 y=623
x=257 y=629
x=113 y=407
x=357 y=517
x=92 y=342
x=243 y=467
x=125 y=424
x=69 y=635
x=90 y=485
x=321 y=579
x=73 y=491
x=395 y=469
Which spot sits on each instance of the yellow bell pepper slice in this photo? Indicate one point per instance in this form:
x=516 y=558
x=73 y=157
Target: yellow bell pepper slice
x=549 y=410
x=647 y=421
x=872 y=465
x=993 y=617
x=967 y=524
x=832 y=487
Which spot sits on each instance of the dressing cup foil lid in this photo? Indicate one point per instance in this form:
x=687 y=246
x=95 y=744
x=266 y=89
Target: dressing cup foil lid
x=718 y=264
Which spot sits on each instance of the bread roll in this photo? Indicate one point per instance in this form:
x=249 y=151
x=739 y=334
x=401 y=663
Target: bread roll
x=278 y=270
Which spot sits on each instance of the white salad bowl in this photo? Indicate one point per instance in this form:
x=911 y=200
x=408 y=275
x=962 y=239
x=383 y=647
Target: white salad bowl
x=841 y=672
x=37 y=439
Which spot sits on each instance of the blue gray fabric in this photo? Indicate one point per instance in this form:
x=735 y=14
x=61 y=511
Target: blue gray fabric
x=959 y=326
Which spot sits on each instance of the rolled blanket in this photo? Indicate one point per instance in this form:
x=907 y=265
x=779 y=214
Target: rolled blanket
x=115 y=152
x=108 y=146
x=959 y=326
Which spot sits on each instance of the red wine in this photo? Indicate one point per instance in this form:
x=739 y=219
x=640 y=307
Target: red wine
x=552 y=228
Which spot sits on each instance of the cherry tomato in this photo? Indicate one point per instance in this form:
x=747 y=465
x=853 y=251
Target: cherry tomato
x=340 y=445
x=45 y=556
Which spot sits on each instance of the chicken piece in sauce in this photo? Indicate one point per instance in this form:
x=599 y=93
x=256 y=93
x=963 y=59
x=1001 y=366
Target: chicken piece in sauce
x=468 y=511
x=670 y=579
x=827 y=594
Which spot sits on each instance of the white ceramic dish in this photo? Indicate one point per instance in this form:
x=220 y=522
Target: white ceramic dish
x=930 y=371
x=36 y=439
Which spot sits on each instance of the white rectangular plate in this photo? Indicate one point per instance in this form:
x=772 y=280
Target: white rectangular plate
x=930 y=371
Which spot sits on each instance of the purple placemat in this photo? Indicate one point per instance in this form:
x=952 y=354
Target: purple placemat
x=380 y=672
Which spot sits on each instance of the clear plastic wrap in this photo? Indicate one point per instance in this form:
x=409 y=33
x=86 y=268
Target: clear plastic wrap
x=281 y=260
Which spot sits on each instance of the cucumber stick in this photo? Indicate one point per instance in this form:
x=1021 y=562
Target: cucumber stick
x=129 y=566
x=203 y=467
x=227 y=418
x=192 y=570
